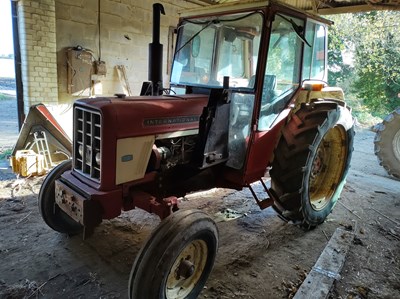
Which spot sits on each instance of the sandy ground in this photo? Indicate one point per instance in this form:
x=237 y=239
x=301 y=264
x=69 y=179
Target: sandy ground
x=259 y=255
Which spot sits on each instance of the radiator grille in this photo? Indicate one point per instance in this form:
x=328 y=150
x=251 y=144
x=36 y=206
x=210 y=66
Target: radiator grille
x=87 y=140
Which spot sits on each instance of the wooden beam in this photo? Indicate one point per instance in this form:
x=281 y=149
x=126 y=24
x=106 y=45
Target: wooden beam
x=327 y=269
x=355 y=8
x=210 y=2
x=198 y=2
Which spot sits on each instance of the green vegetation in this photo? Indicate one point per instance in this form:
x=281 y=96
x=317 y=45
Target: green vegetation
x=6 y=97
x=7 y=56
x=5 y=153
x=371 y=80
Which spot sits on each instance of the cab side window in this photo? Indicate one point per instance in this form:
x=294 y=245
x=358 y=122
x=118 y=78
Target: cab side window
x=282 y=75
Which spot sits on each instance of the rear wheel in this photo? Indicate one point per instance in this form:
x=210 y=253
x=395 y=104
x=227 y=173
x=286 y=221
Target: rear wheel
x=177 y=259
x=311 y=162
x=387 y=143
x=50 y=211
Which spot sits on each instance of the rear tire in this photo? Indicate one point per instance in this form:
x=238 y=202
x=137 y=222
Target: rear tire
x=387 y=143
x=177 y=259
x=50 y=211
x=311 y=162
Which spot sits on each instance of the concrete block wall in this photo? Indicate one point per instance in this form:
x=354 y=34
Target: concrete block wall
x=37 y=27
x=125 y=32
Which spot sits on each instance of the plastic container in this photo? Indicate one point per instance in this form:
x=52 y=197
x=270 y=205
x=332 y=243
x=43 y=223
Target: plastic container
x=27 y=163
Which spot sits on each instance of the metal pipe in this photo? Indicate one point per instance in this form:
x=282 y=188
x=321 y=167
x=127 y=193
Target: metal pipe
x=17 y=65
x=156 y=52
x=158 y=9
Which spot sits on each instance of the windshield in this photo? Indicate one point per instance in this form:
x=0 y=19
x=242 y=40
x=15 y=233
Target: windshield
x=209 y=49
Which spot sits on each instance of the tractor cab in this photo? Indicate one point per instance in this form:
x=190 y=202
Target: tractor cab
x=257 y=58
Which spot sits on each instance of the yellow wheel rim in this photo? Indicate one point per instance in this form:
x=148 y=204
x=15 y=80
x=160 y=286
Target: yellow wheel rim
x=327 y=167
x=187 y=270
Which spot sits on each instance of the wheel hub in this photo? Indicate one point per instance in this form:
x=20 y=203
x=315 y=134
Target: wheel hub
x=185 y=269
x=318 y=163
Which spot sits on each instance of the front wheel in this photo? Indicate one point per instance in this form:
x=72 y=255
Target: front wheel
x=311 y=162
x=50 y=211
x=177 y=259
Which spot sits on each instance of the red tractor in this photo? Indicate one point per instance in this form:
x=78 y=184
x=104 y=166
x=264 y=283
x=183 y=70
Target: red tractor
x=246 y=96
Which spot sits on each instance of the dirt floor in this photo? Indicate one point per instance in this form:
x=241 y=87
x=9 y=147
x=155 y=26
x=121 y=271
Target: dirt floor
x=259 y=255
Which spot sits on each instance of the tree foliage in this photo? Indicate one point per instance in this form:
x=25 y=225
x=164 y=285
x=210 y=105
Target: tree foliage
x=372 y=39
x=338 y=71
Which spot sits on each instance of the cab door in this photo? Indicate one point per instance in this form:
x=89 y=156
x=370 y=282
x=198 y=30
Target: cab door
x=279 y=83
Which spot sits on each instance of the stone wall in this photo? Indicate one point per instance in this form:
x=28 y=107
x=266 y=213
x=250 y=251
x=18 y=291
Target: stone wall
x=36 y=24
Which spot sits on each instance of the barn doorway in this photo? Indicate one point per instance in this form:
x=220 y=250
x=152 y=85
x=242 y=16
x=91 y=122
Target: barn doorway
x=9 y=123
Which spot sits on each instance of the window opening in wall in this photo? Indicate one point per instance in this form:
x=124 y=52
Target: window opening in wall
x=9 y=126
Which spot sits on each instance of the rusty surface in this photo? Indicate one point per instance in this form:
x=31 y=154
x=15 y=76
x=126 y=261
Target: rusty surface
x=264 y=203
x=84 y=211
x=162 y=208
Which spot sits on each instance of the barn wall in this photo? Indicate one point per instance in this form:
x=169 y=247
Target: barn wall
x=36 y=23
x=125 y=32
x=48 y=28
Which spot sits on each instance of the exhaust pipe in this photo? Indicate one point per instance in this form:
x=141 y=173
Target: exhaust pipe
x=156 y=52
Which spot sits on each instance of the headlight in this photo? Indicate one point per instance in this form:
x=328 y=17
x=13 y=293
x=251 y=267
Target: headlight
x=97 y=157
x=88 y=156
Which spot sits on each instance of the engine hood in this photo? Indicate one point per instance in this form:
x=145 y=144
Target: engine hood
x=147 y=115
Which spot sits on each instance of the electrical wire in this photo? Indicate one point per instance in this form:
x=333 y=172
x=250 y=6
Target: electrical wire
x=222 y=19
x=207 y=24
x=98 y=23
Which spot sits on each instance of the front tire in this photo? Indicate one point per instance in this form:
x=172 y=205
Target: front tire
x=50 y=211
x=311 y=162
x=177 y=259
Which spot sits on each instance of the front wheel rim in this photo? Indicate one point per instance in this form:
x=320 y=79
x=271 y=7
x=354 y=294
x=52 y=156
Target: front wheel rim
x=187 y=270
x=327 y=167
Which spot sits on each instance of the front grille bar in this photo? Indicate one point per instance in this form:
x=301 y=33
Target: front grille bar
x=87 y=141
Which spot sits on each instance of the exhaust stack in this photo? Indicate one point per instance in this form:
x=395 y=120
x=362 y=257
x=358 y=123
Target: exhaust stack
x=156 y=52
